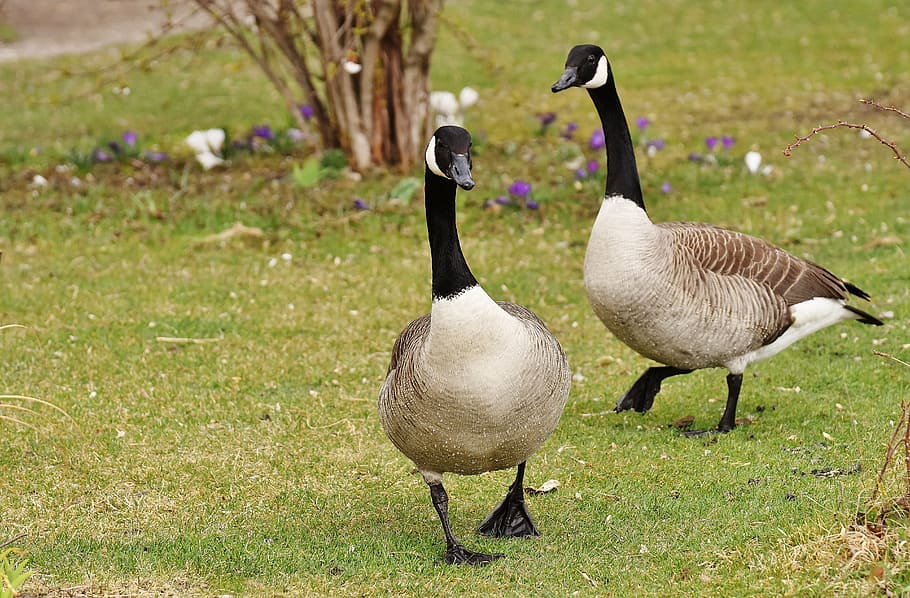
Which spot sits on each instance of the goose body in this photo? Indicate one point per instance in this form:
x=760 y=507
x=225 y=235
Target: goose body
x=476 y=385
x=690 y=295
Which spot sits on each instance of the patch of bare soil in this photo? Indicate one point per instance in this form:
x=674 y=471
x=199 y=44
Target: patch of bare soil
x=50 y=27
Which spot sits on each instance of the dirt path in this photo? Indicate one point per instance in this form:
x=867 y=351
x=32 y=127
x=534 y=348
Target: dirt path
x=50 y=27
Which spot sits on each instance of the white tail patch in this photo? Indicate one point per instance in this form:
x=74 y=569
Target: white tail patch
x=808 y=317
x=600 y=76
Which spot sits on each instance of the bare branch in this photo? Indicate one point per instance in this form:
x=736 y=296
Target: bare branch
x=891 y=448
x=891 y=357
x=12 y=540
x=898 y=153
x=891 y=108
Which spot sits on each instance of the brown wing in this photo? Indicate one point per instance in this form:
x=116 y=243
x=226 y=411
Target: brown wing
x=730 y=253
x=521 y=312
x=548 y=344
x=413 y=331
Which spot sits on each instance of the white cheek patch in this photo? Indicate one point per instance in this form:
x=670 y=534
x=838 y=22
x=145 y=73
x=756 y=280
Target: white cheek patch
x=431 y=158
x=600 y=77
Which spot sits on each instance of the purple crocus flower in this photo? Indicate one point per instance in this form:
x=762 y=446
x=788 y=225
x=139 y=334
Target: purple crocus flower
x=501 y=200
x=666 y=187
x=115 y=147
x=657 y=144
x=296 y=135
x=532 y=205
x=99 y=155
x=642 y=123
x=520 y=188
x=593 y=166
x=580 y=174
x=711 y=142
x=130 y=138
x=263 y=132
x=155 y=156
x=359 y=204
x=306 y=111
x=546 y=119
x=569 y=131
x=597 y=140
x=727 y=141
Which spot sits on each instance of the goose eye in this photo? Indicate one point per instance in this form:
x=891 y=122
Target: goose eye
x=592 y=59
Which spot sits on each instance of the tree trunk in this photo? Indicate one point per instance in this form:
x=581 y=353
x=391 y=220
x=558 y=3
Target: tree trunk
x=362 y=65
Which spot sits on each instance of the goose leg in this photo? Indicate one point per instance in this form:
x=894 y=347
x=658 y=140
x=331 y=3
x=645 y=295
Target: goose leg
x=728 y=419
x=640 y=395
x=511 y=517
x=455 y=553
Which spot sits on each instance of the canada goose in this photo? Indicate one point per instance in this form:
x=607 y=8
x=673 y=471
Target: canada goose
x=690 y=295
x=475 y=385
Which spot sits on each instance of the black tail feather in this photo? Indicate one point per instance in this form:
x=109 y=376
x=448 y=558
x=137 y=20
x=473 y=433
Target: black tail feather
x=864 y=318
x=855 y=290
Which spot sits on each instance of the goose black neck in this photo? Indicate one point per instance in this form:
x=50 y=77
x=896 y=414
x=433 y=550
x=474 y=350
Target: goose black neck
x=451 y=274
x=622 y=172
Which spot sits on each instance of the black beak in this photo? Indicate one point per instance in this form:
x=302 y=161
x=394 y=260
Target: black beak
x=461 y=172
x=568 y=79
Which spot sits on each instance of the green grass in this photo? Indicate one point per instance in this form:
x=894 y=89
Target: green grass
x=255 y=463
x=7 y=34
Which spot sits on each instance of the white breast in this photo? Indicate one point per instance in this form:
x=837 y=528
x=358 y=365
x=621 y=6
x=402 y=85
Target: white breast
x=475 y=348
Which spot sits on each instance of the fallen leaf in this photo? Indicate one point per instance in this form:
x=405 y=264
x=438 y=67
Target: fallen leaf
x=831 y=472
x=548 y=486
x=684 y=422
x=237 y=230
x=588 y=578
x=883 y=242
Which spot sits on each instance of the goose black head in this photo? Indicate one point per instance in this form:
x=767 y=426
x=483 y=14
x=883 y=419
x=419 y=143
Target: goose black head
x=586 y=66
x=449 y=155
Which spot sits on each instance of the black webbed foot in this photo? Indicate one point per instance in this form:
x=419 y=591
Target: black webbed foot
x=455 y=553
x=640 y=395
x=698 y=433
x=510 y=518
x=459 y=555
x=728 y=419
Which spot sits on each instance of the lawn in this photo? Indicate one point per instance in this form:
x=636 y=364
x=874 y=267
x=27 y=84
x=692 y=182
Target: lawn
x=222 y=435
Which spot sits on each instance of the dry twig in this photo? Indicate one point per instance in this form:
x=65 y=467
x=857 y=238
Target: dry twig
x=902 y=427
x=187 y=340
x=895 y=149
x=12 y=540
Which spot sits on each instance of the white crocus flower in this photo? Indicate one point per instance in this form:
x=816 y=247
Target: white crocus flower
x=209 y=160
x=197 y=142
x=351 y=67
x=753 y=161
x=207 y=145
x=444 y=102
x=468 y=97
x=215 y=139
